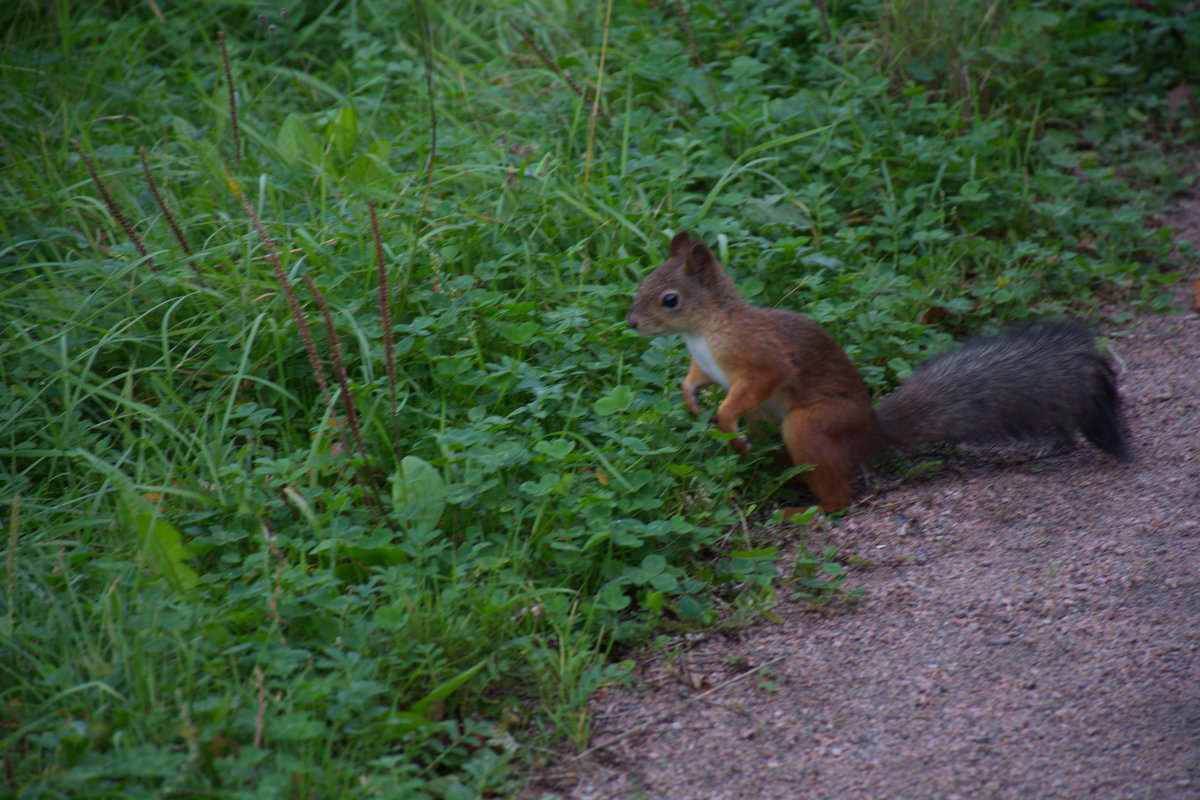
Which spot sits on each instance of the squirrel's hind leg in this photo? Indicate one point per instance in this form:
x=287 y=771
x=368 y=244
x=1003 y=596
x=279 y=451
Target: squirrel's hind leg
x=835 y=438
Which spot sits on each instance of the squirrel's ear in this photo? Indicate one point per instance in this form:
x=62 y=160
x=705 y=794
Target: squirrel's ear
x=680 y=244
x=701 y=262
x=699 y=254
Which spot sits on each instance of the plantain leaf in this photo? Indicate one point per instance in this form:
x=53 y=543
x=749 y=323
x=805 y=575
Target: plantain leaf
x=418 y=492
x=163 y=542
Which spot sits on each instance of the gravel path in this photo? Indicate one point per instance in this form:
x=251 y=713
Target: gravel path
x=1031 y=630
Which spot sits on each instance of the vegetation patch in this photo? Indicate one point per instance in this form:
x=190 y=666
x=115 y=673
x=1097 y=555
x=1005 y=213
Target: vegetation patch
x=330 y=468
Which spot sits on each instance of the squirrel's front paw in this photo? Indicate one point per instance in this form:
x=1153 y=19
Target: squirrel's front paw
x=741 y=444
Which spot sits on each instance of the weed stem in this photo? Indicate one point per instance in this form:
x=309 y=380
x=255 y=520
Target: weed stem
x=233 y=117
x=113 y=208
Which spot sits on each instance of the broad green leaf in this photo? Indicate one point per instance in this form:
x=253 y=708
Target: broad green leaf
x=342 y=130
x=616 y=400
x=655 y=601
x=519 y=333
x=554 y=448
x=400 y=723
x=653 y=564
x=613 y=596
x=665 y=581
x=689 y=607
x=295 y=727
x=296 y=143
x=391 y=616
x=418 y=492
x=163 y=542
x=445 y=689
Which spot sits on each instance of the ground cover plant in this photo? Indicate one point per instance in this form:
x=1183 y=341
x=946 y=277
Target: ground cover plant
x=329 y=467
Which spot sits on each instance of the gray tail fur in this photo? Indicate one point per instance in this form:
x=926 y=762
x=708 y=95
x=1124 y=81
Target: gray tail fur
x=1037 y=380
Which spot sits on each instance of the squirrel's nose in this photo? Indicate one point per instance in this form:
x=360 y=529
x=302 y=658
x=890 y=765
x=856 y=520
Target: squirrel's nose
x=631 y=322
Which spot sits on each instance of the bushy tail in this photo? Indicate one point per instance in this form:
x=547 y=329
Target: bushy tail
x=1038 y=380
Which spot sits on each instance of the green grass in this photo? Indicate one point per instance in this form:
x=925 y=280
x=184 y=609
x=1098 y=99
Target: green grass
x=239 y=563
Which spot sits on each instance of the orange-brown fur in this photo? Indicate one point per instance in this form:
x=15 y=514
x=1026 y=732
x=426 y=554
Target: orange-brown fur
x=780 y=365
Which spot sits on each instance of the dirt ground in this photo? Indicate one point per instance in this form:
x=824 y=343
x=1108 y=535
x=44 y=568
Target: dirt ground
x=1031 y=629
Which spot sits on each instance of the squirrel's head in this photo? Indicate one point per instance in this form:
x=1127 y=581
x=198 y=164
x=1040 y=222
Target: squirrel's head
x=684 y=294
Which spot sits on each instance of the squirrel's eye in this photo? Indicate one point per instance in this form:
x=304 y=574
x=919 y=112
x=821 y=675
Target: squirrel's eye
x=670 y=300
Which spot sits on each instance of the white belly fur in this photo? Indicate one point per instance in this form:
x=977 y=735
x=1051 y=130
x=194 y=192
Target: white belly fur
x=769 y=411
x=704 y=359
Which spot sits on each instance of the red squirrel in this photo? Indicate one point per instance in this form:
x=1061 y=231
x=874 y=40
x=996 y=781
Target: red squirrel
x=780 y=366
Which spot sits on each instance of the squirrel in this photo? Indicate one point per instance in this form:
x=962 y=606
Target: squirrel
x=780 y=366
